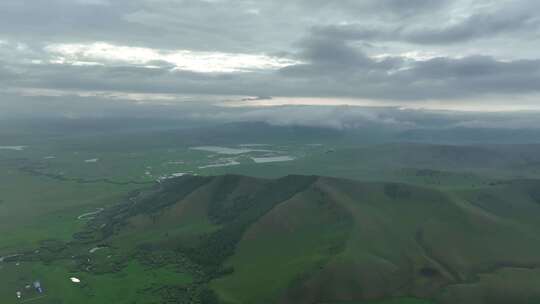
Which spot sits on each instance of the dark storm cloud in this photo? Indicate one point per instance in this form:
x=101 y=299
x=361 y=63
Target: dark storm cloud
x=476 y=26
x=470 y=76
x=384 y=8
x=337 y=66
x=331 y=51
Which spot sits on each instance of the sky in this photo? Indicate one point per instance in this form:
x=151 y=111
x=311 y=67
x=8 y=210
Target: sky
x=455 y=55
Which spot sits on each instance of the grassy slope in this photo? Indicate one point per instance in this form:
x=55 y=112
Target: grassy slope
x=280 y=247
x=413 y=243
x=339 y=240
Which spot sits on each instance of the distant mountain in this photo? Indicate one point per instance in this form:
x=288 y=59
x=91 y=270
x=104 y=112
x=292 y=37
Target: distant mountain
x=309 y=239
x=412 y=163
x=463 y=135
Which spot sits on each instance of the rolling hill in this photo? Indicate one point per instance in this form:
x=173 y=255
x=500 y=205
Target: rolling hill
x=310 y=239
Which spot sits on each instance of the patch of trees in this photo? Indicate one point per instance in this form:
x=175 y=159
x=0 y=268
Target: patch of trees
x=535 y=195
x=192 y=294
x=59 y=177
x=234 y=212
x=215 y=248
x=223 y=208
x=429 y=272
x=168 y=194
x=428 y=173
x=396 y=191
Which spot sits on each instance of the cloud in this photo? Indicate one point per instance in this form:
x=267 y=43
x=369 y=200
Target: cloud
x=203 y=110
x=337 y=66
x=459 y=24
x=94 y=2
x=385 y=51
x=329 y=68
x=474 y=27
x=336 y=117
x=487 y=23
x=204 y=62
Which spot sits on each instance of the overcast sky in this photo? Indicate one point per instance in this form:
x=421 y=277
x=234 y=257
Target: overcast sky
x=479 y=55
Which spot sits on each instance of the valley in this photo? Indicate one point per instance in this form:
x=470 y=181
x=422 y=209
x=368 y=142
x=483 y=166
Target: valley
x=336 y=222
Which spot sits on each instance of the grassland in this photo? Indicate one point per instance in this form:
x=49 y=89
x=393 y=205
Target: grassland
x=411 y=223
x=127 y=284
x=37 y=208
x=318 y=240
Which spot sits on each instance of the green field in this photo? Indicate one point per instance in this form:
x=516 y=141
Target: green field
x=390 y=223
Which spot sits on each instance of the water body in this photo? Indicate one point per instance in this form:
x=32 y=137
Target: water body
x=90 y=214
x=75 y=280
x=254 y=145
x=93 y=250
x=228 y=151
x=224 y=164
x=272 y=159
x=13 y=148
x=2 y=259
x=176 y=162
x=173 y=175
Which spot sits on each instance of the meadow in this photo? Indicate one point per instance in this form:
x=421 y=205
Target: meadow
x=182 y=245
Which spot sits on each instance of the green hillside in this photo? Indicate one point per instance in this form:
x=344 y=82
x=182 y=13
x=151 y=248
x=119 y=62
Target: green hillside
x=300 y=239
